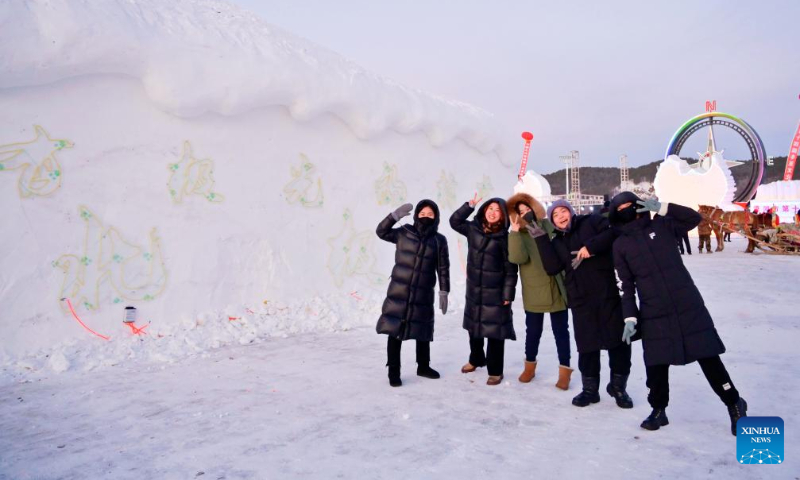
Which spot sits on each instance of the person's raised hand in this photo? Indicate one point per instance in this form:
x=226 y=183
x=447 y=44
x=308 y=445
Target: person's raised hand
x=475 y=200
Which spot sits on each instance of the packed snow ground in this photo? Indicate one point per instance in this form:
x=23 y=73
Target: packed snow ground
x=318 y=405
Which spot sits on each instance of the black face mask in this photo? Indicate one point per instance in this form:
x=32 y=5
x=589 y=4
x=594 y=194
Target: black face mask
x=424 y=225
x=627 y=214
x=529 y=217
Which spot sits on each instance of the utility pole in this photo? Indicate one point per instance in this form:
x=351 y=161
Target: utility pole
x=624 y=182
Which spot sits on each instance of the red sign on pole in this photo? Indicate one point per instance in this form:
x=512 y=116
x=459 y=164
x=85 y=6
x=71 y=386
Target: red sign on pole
x=528 y=136
x=791 y=161
x=711 y=106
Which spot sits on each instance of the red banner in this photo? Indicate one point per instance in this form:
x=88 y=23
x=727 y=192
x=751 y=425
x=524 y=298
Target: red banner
x=792 y=160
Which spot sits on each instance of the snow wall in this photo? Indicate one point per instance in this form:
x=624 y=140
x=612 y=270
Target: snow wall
x=220 y=175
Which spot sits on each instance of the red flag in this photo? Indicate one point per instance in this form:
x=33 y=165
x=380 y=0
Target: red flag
x=792 y=160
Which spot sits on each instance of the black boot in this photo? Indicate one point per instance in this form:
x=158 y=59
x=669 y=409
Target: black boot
x=394 y=376
x=657 y=419
x=589 y=394
x=425 y=370
x=616 y=388
x=737 y=411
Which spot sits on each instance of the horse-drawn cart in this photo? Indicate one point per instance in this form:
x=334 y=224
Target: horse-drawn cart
x=775 y=240
x=763 y=230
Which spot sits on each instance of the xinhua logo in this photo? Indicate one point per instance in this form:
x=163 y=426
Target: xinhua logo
x=759 y=440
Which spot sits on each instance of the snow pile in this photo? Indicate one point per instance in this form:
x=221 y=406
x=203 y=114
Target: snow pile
x=124 y=186
x=534 y=185
x=144 y=341
x=194 y=57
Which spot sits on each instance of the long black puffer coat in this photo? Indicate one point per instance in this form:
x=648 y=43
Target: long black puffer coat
x=591 y=288
x=420 y=255
x=673 y=319
x=491 y=278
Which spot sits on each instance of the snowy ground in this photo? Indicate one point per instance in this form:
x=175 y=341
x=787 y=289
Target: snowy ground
x=319 y=406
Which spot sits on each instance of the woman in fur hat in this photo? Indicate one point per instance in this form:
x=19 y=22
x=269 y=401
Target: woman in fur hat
x=541 y=293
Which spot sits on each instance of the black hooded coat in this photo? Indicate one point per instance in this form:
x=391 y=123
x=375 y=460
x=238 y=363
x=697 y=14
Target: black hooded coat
x=672 y=317
x=420 y=255
x=591 y=288
x=491 y=278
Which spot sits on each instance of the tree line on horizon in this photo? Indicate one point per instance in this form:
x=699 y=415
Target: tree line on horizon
x=605 y=180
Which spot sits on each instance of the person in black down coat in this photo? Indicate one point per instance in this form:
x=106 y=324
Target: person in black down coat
x=407 y=312
x=593 y=297
x=675 y=324
x=491 y=284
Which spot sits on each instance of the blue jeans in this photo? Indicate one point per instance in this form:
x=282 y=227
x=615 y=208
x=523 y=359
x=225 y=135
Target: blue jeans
x=534 y=323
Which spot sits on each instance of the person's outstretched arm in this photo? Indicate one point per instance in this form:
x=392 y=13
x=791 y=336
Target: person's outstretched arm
x=604 y=236
x=385 y=230
x=443 y=264
x=626 y=285
x=517 y=251
x=443 y=271
x=682 y=219
x=458 y=221
x=550 y=261
x=510 y=284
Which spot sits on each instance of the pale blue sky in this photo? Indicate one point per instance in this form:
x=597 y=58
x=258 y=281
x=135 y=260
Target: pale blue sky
x=604 y=78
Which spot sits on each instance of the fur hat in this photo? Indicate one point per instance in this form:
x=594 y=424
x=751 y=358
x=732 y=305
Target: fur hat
x=513 y=202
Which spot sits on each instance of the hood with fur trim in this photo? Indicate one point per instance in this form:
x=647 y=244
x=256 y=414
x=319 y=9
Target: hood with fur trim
x=516 y=199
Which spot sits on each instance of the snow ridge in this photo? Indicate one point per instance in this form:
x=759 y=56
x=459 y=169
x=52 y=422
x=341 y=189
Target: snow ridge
x=194 y=57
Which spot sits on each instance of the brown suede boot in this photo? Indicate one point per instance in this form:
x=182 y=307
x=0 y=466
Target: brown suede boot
x=468 y=368
x=529 y=372
x=564 y=374
x=494 y=380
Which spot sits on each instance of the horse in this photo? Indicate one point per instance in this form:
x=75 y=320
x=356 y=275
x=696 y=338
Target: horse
x=741 y=221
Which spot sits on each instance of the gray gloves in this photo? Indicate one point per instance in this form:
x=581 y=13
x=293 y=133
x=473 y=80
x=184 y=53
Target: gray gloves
x=629 y=332
x=443 y=302
x=576 y=262
x=651 y=205
x=535 y=230
x=402 y=211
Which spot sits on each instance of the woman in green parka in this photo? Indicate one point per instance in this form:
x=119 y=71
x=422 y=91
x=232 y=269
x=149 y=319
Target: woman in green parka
x=541 y=293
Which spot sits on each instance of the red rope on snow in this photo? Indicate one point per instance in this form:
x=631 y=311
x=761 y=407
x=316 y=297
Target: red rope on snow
x=69 y=304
